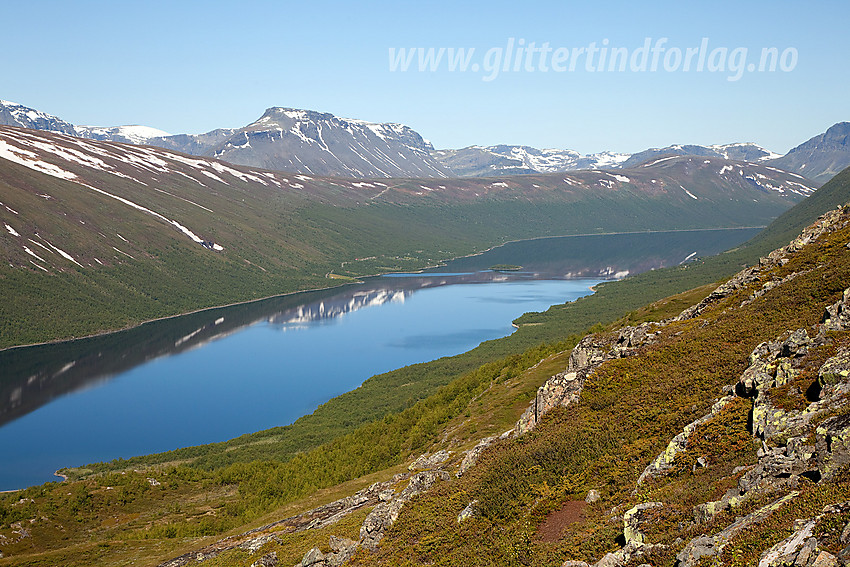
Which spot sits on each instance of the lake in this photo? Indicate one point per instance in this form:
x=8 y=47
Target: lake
x=214 y=375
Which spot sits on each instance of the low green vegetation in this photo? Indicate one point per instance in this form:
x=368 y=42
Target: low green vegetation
x=114 y=512
x=630 y=408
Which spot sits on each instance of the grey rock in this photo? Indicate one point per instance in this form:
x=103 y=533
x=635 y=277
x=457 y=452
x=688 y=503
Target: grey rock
x=706 y=546
x=845 y=534
x=571 y=563
x=430 y=461
x=385 y=513
x=696 y=549
x=634 y=519
x=474 y=454
x=795 y=549
x=825 y=559
x=267 y=560
x=313 y=557
x=835 y=370
x=663 y=463
x=341 y=543
x=565 y=387
x=468 y=512
x=836 y=317
x=593 y=496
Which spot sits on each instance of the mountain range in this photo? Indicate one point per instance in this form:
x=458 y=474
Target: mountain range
x=315 y=143
x=167 y=232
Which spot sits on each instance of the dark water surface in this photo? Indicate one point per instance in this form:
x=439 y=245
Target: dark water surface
x=217 y=374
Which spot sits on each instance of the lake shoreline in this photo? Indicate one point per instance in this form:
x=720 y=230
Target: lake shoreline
x=355 y=281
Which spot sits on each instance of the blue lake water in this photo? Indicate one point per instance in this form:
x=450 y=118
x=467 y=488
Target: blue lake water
x=214 y=375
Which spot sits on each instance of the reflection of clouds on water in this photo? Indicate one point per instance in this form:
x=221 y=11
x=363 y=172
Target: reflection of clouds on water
x=531 y=298
x=299 y=317
x=428 y=341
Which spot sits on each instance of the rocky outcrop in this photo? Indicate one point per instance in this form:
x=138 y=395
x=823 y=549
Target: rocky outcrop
x=826 y=223
x=634 y=519
x=386 y=513
x=253 y=540
x=565 y=387
x=430 y=461
x=802 y=549
x=630 y=554
x=473 y=454
x=710 y=546
x=664 y=462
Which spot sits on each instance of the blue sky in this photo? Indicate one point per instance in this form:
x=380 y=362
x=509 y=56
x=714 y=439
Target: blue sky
x=194 y=66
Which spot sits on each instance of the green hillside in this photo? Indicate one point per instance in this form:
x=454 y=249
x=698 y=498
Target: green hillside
x=99 y=236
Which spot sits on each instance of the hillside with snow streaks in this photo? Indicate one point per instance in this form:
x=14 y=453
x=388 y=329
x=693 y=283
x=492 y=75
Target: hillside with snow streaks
x=196 y=197
x=128 y=233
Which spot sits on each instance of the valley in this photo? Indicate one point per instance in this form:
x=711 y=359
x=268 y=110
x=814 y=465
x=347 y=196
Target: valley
x=103 y=235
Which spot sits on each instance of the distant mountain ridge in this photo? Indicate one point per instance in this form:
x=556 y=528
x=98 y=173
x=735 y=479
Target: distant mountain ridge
x=316 y=143
x=283 y=139
x=478 y=161
x=822 y=157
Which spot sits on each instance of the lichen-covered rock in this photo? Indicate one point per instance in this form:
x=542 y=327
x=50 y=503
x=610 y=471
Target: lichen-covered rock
x=468 y=512
x=836 y=317
x=664 y=462
x=628 y=555
x=833 y=445
x=633 y=520
x=835 y=370
x=708 y=546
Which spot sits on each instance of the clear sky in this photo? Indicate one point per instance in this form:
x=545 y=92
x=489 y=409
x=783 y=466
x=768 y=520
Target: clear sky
x=191 y=66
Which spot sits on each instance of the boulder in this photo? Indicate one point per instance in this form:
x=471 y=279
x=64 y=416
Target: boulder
x=468 y=512
x=267 y=560
x=473 y=454
x=314 y=557
x=593 y=496
x=634 y=519
x=430 y=461
x=835 y=370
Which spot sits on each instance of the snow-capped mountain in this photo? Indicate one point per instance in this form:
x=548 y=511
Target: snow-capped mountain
x=14 y=114
x=126 y=134
x=821 y=157
x=316 y=143
x=478 y=161
x=746 y=151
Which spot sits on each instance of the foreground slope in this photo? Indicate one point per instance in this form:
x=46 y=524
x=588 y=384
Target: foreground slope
x=716 y=437
x=98 y=235
x=143 y=514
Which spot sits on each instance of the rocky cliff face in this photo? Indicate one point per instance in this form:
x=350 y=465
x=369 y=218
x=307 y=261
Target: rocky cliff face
x=821 y=157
